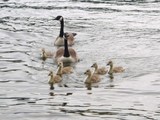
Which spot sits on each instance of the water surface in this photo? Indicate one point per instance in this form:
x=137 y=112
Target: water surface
x=126 y=32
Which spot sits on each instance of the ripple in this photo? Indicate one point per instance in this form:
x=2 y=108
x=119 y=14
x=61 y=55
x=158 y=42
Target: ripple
x=16 y=98
x=125 y=31
x=10 y=70
x=12 y=60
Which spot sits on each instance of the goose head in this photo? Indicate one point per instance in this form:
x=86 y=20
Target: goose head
x=60 y=18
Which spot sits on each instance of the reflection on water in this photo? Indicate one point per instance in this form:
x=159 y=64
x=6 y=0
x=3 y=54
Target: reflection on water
x=126 y=32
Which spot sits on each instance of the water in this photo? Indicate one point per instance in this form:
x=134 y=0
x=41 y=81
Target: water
x=126 y=32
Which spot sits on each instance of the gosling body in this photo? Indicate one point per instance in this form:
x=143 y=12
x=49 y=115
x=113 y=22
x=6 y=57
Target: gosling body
x=100 y=71
x=46 y=54
x=91 y=77
x=113 y=69
x=54 y=79
x=64 y=70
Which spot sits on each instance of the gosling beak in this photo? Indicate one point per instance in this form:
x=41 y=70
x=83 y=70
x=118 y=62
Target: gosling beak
x=49 y=74
x=58 y=65
x=84 y=72
x=74 y=34
x=92 y=66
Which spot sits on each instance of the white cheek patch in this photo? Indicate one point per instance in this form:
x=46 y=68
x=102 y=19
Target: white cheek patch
x=61 y=18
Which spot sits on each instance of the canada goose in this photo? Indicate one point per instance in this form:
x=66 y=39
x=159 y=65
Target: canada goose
x=66 y=54
x=91 y=78
x=60 y=39
x=54 y=79
x=64 y=70
x=46 y=54
x=114 y=69
x=100 y=71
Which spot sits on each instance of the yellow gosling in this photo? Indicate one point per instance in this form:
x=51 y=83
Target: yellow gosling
x=64 y=70
x=91 y=77
x=46 y=54
x=113 y=69
x=100 y=71
x=54 y=79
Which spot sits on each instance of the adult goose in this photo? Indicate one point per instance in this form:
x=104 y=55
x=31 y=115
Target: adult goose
x=60 y=39
x=117 y=69
x=66 y=54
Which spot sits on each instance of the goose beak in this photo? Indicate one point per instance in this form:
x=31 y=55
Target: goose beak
x=55 y=18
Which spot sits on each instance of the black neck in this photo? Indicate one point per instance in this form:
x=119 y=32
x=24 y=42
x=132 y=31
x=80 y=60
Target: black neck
x=66 y=51
x=62 y=28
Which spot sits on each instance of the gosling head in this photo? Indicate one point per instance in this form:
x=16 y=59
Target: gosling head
x=94 y=65
x=60 y=18
x=60 y=64
x=50 y=73
x=88 y=72
x=110 y=63
x=43 y=50
x=66 y=35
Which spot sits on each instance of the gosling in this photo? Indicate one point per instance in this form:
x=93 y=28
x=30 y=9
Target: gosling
x=54 y=79
x=100 y=71
x=112 y=69
x=91 y=77
x=46 y=54
x=64 y=70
